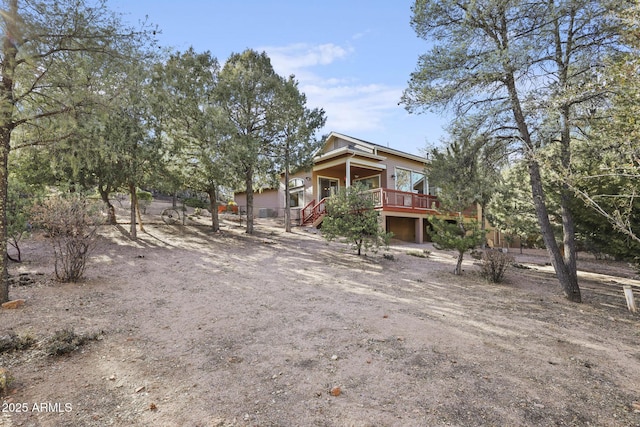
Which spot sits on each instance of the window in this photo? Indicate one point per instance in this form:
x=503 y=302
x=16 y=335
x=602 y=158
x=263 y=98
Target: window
x=328 y=187
x=296 y=192
x=296 y=182
x=403 y=180
x=411 y=181
x=418 y=183
x=370 y=183
x=296 y=198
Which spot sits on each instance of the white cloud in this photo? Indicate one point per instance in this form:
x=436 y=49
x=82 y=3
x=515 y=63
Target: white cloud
x=352 y=106
x=360 y=35
x=289 y=59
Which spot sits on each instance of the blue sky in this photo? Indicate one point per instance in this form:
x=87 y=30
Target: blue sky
x=352 y=57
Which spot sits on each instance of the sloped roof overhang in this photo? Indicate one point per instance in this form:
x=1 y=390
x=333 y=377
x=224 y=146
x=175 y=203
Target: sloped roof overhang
x=346 y=155
x=376 y=148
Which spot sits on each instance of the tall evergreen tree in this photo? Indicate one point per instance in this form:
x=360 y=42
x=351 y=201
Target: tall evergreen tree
x=247 y=91
x=137 y=148
x=193 y=122
x=607 y=176
x=295 y=126
x=44 y=81
x=521 y=65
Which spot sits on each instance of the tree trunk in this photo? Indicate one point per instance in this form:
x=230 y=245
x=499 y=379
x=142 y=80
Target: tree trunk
x=5 y=138
x=9 y=53
x=249 y=184
x=463 y=232
x=19 y=253
x=287 y=201
x=568 y=226
x=134 y=201
x=566 y=276
x=569 y=237
x=458 y=269
x=213 y=207
x=483 y=226
x=568 y=280
x=139 y=213
x=111 y=210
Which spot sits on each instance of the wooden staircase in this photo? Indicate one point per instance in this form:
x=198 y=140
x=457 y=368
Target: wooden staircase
x=313 y=213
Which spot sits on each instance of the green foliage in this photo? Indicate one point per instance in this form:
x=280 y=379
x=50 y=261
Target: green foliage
x=606 y=167
x=454 y=171
x=525 y=71
x=196 y=128
x=271 y=130
x=607 y=185
x=467 y=170
x=351 y=217
x=601 y=238
x=52 y=64
x=20 y=200
x=247 y=91
x=511 y=208
x=456 y=235
x=71 y=222
x=295 y=128
x=144 y=199
x=144 y=195
x=494 y=264
x=194 y=202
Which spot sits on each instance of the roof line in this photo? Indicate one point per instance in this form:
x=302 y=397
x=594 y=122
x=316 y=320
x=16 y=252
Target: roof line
x=373 y=144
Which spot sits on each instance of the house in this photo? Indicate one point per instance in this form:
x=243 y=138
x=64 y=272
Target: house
x=396 y=180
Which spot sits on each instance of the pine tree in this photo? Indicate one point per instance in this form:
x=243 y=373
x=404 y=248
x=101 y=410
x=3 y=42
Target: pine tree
x=352 y=219
x=520 y=66
x=45 y=79
x=246 y=92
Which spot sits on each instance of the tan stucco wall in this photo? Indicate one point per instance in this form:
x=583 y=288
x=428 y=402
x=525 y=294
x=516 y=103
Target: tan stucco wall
x=267 y=201
x=273 y=199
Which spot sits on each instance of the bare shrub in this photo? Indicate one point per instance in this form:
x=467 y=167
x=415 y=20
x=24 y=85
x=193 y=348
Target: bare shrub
x=5 y=381
x=494 y=264
x=71 y=222
x=419 y=254
x=66 y=341
x=11 y=342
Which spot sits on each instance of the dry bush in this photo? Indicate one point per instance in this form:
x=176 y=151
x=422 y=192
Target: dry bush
x=425 y=253
x=71 y=222
x=66 y=341
x=5 y=382
x=494 y=264
x=10 y=341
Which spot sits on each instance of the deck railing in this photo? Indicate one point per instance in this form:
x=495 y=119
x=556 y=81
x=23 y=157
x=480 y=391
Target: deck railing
x=383 y=198
x=312 y=211
x=389 y=198
x=307 y=211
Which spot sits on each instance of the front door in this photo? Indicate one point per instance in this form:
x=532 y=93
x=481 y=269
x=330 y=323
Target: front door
x=328 y=187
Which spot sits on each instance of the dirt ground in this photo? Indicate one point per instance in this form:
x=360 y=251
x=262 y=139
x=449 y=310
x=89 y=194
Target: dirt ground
x=284 y=329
